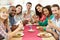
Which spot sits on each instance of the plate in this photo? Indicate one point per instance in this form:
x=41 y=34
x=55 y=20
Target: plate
x=44 y=35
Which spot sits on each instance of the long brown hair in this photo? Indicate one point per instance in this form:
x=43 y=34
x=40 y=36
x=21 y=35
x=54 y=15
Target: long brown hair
x=20 y=6
x=6 y=22
x=48 y=7
x=37 y=12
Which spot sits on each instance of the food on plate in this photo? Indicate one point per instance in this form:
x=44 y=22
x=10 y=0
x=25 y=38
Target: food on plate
x=44 y=35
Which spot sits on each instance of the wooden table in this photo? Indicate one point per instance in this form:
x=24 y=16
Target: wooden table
x=16 y=38
x=50 y=38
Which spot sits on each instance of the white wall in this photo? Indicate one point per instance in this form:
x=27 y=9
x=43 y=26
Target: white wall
x=49 y=2
x=23 y=3
x=34 y=2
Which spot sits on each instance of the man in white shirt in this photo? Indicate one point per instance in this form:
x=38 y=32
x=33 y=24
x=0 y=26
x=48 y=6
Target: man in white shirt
x=28 y=13
x=55 y=24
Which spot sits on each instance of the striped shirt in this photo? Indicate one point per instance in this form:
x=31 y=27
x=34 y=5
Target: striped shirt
x=3 y=31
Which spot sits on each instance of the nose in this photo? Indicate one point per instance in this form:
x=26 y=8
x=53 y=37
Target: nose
x=5 y=14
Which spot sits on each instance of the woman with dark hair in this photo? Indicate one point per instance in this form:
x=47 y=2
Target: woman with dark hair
x=47 y=11
x=40 y=14
x=18 y=17
x=38 y=10
x=51 y=19
x=19 y=9
x=48 y=14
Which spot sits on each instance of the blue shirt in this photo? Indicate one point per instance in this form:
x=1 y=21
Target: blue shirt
x=11 y=20
x=57 y=23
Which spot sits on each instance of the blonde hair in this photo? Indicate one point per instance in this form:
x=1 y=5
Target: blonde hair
x=3 y=9
x=6 y=22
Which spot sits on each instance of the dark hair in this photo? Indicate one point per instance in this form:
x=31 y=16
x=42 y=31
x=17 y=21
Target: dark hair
x=29 y=3
x=48 y=7
x=12 y=7
x=55 y=5
x=38 y=13
x=20 y=6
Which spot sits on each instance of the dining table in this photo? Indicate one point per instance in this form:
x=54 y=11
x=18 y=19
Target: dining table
x=32 y=35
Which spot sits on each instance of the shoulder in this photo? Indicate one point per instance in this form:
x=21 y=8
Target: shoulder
x=43 y=16
x=51 y=16
x=53 y=19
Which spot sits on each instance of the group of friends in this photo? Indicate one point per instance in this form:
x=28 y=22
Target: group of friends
x=14 y=19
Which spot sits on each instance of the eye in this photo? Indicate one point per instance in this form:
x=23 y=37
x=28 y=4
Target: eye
x=14 y=10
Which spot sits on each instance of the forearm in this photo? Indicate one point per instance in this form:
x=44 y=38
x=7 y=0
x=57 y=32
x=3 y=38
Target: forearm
x=8 y=28
x=57 y=28
x=53 y=33
x=17 y=29
x=3 y=33
x=49 y=30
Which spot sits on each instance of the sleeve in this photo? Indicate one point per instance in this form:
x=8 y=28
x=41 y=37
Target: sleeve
x=3 y=33
x=44 y=23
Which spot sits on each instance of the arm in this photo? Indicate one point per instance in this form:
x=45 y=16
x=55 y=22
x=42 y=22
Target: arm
x=52 y=25
x=16 y=30
x=35 y=18
x=2 y=32
x=57 y=28
x=53 y=33
x=8 y=28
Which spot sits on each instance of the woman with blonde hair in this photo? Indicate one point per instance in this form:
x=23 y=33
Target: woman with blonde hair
x=4 y=24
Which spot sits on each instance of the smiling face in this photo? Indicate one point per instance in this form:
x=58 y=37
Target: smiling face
x=12 y=11
x=55 y=11
x=18 y=9
x=45 y=11
x=39 y=9
x=28 y=6
x=3 y=13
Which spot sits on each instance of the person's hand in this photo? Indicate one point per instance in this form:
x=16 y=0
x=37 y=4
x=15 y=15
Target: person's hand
x=36 y=18
x=25 y=22
x=49 y=30
x=21 y=24
x=51 y=24
x=41 y=28
x=29 y=19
